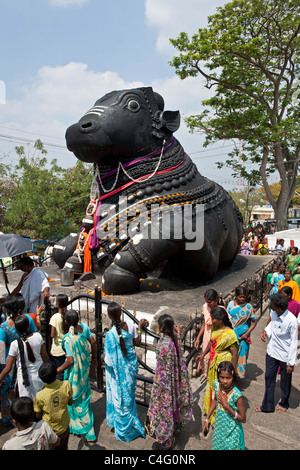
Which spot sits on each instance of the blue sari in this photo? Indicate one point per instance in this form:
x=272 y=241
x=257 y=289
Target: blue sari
x=121 y=375
x=241 y=317
x=80 y=412
x=274 y=282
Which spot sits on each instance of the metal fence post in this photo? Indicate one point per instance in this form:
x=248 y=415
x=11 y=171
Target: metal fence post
x=45 y=326
x=98 y=327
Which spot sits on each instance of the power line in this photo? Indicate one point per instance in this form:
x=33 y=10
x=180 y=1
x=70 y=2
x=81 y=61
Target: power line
x=29 y=141
x=22 y=139
x=13 y=138
x=28 y=132
x=213 y=148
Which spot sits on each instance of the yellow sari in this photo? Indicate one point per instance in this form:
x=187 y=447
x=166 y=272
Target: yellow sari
x=294 y=286
x=222 y=340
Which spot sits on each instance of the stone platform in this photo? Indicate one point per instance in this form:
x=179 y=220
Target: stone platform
x=275 y=431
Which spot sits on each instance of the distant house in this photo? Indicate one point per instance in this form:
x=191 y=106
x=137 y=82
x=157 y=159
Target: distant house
x=261 y=213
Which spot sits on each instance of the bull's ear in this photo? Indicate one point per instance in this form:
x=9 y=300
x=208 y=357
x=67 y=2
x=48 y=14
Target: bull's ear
x=170 y=120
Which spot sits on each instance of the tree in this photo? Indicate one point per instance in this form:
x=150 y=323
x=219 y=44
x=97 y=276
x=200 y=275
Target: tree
x=6 y=189
x=45 y=202
x=275 y=189
x=249 y=54
x=245 y=200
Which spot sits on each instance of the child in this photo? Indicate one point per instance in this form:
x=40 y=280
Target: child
x=228 y=432
x=28 y=352
x=77 y=371
x=57 y=332
x=272 y=274
x=50 y=404
x=212 y=300
x=30 y=435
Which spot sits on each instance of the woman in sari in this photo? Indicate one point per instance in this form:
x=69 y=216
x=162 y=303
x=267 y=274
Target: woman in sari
x=212 y=300
x=76 y=370
x=288 y=281
x=273 y=284
x=293 y=259
x=293 y=262
x=245 y=245
x=223 y=346
x=293 y=305
x=296 y=274
x=243 y=321
x=14 y=306
x=171 y=397
x=121 y=370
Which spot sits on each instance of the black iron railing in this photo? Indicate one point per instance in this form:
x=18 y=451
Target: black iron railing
x=90 y=308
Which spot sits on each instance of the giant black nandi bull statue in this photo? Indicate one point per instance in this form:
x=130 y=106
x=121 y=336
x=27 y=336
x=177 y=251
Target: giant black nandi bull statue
x=149 y=204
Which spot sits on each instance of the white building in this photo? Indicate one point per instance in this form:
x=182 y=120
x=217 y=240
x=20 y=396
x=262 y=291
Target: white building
x=261 y=213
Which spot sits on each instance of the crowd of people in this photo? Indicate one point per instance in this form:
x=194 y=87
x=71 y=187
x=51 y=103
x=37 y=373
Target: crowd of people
x=254 y=241
x=47 y=396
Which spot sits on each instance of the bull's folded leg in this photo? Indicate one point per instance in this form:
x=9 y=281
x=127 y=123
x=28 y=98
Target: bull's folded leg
x=133 y=262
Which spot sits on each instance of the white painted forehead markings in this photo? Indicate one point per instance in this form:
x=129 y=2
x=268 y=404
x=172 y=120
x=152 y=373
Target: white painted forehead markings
x=99 y=110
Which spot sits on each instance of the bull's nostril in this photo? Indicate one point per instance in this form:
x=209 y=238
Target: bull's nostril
x=87 y=125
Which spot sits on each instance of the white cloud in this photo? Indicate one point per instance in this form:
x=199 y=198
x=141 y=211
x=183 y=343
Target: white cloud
x=171 y=17
x=51 y=101
x=67 y=3
x=57 y=96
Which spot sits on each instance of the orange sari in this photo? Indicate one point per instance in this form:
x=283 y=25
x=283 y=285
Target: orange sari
x=87 y=257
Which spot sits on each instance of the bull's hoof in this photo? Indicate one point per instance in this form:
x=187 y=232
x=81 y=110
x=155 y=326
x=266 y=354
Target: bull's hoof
x=119 y=281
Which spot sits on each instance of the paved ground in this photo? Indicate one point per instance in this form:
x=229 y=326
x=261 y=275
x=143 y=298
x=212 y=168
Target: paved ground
x=275 y=431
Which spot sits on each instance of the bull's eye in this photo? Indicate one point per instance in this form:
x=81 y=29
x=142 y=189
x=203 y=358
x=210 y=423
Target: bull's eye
x=133 y=105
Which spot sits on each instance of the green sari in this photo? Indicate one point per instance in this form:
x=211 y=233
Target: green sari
x=293 y=262
x=80 y=412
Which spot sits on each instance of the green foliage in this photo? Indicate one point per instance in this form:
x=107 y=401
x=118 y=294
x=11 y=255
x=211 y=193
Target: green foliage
x=5 y=189
x=249 y=57
x=44 y=202
x=246 y=199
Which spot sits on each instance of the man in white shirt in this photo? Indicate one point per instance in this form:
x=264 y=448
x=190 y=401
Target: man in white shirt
x=279 y=247
x=34 y=285
x=282 y=335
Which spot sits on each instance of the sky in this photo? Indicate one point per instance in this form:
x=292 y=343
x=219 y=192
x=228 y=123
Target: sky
x=59 y=56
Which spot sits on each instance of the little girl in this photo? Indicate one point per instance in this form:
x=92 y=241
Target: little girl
x=228 y=432
x=212 y=300
x=29 y=352
x=57 y=332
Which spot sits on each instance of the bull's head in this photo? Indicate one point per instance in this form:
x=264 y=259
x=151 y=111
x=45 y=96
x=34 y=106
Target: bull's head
x=122 y=124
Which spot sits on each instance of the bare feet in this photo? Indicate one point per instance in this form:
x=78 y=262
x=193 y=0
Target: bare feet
x=280 y=408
